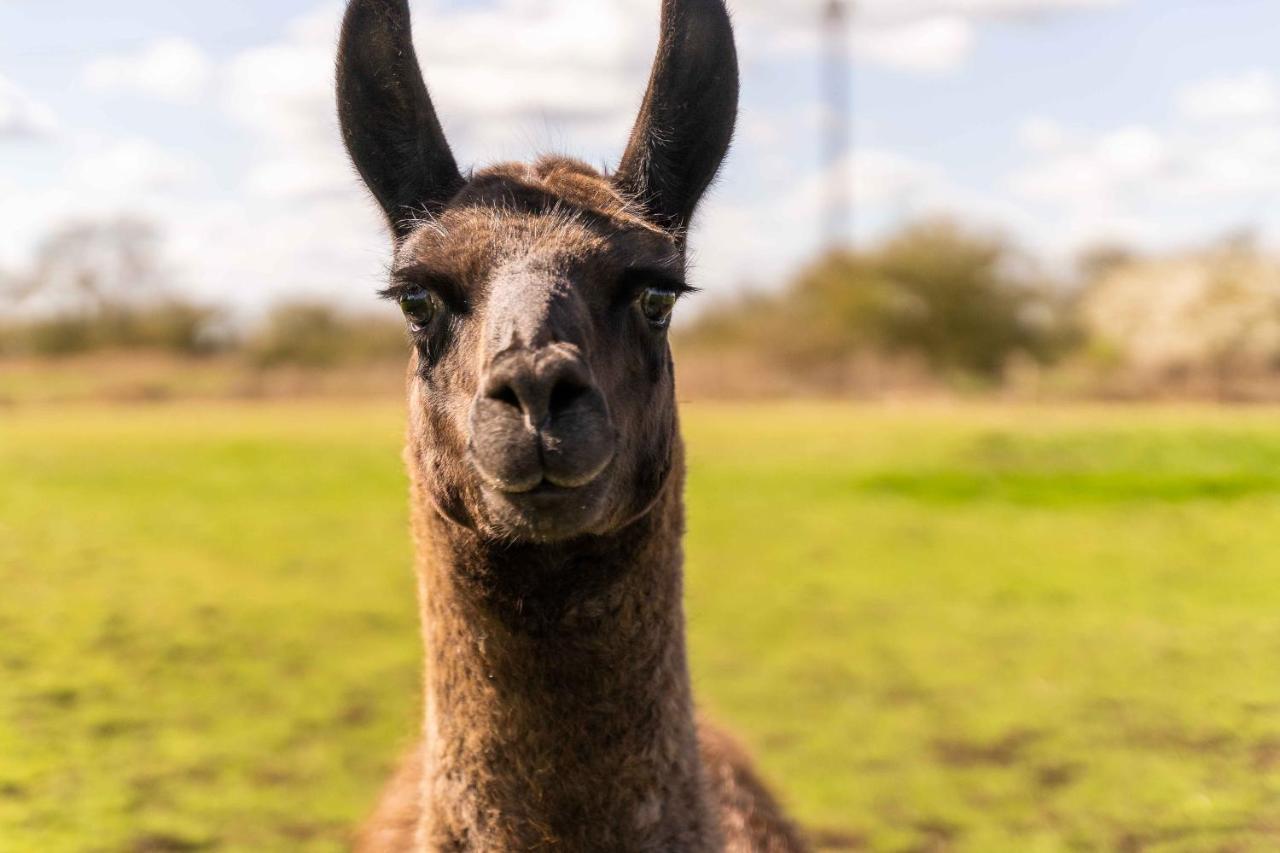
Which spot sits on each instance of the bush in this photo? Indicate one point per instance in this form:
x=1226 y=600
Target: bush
x=103 y=285
x=174 y=325
x=315 y=334
x=958 y=302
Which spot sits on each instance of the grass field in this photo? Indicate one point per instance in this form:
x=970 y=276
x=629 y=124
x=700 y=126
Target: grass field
x=940 y=628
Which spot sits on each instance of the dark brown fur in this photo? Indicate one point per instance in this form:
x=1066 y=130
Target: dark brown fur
x=559 y=711
x=574 y=737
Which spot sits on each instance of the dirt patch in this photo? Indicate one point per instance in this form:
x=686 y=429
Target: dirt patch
x=1266 y=755
x=275 y=776
x=165 y=843
x=309 y=833
x=838 y=839
x=357 y=713
x=1005 y=751
x=1182 y=740
x=1054 y=777
x=1186 y=838
x=12 y=791
x=938 y=836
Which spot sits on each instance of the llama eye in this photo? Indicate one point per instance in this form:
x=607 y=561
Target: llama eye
x=420 y=308
x=657 y=306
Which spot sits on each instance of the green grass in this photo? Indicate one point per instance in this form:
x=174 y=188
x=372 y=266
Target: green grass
x=976 y=628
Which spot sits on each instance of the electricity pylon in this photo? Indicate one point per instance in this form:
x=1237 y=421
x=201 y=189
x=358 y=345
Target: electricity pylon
x=838 y=125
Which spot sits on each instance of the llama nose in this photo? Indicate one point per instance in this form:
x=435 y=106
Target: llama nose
x=540 y=389
x=540 y=418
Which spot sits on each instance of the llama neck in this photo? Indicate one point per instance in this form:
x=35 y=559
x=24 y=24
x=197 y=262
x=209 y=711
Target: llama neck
x=558 y=705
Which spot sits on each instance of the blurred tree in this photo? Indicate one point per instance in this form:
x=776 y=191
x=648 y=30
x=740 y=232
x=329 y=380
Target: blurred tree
x=95 y=266
x=102 y=283
x=317 y=334
x=1102 y=259
x=960 y=302
x=1213 y=314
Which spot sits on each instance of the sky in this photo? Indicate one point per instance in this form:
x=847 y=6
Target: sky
x=1062 y=123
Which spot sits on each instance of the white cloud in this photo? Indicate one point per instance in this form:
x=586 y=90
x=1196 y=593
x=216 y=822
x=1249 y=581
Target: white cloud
x=512 y=78
x=882 y=12
x=1042 y=135
x=299 y=224
x=171 y=69
x=1129 y=159
x=990 y=8
x=507 y=74
x=282 y=93
x=1132 y=153
x=21 y=116
x=504 y=78
x=1151 y=186
x=129 y=168
x=1140 y=165
x=933 y=45
x=918 y=36
x=1251 y=95
x=102 y=178
x=1098 y=187
x=886 y=178
x=252 y=252
x=783 y=227
x=507 y=80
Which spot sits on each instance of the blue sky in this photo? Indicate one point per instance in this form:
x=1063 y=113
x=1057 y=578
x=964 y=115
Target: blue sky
x=1061 y=122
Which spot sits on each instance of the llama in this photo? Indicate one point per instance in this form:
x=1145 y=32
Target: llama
x=547 y=467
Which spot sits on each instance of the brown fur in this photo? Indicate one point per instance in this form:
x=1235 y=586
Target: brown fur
x=580 y=737
x=561 y=719
x=751 y=821
x=547 y=470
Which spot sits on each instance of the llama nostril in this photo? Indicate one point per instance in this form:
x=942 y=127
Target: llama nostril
x=507 y=395
x=541 y=390
x=540 y=420
x=566 y=392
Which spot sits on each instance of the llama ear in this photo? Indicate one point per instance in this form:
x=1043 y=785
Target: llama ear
x=388 y=122
x=688 y=116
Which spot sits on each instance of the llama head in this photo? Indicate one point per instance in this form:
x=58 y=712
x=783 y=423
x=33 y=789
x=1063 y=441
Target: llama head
x=539 y=297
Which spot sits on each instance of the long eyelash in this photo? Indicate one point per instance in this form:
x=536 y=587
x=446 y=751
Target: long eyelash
x=398 y=290
x=408 y=282
x=635 y=281
x=682 y=288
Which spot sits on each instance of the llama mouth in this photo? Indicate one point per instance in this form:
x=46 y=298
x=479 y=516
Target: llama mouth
x=547 y=492
x=544 y=489
x=542 y=481
x=549 y=512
